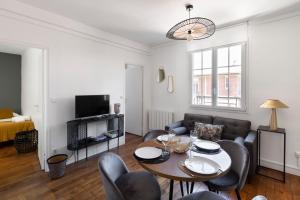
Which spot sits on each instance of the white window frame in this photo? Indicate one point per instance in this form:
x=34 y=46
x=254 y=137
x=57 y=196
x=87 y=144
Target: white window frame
x=226 y=82
x=244 y=81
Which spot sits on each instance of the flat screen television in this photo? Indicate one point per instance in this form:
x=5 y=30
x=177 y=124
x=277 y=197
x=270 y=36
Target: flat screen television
x=91 y=105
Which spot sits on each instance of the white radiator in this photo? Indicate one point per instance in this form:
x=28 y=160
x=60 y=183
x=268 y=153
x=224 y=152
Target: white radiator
x=159 y=119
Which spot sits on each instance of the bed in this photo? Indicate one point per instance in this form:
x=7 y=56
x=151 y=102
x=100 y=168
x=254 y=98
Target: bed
x=8 y=129
x=11 y=123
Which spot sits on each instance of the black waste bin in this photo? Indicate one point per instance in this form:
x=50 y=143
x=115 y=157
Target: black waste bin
x=57 y=165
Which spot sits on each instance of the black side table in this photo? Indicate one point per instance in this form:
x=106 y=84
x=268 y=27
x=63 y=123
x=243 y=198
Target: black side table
x=280 y=131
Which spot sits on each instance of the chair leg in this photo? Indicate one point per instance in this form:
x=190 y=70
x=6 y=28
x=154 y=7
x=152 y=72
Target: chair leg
x=192 y=187
x=187 y=187
x=181 y=188
x=209 y=187
x=238 y=194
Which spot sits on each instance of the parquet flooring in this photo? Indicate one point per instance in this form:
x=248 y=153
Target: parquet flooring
x=21 y=178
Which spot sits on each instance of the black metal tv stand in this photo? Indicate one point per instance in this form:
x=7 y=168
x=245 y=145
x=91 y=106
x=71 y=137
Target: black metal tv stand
x=78 y=133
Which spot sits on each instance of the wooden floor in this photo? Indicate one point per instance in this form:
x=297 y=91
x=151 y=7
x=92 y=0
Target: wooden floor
x=20 y=178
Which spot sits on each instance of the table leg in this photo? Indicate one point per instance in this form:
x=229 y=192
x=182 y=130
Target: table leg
x=77 y=155
x=118 y=141
x=86 y=147
x=284 y=146
x=181 y=188
x=171 y=189
x=258 y=146
x=108 y=145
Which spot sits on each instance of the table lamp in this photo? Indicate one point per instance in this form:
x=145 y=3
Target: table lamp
x=273 y=104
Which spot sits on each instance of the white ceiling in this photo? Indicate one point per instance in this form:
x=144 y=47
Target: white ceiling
x=147 y=21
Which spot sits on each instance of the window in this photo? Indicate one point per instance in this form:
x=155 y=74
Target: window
x=218 y=77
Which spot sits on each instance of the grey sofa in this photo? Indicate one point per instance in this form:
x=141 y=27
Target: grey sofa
x=234 y=129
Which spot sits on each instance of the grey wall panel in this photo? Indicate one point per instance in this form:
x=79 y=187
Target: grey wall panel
x=10 y=81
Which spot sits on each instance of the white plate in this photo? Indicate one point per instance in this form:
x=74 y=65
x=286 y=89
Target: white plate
x=207 y=145
x=163 y=138
x=148 y=152
x=202 y=165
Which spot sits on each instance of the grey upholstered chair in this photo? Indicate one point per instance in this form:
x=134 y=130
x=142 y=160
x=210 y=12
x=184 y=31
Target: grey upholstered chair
x=120 y=184
x=235 y=179
x=205 y=195
x=153 y=134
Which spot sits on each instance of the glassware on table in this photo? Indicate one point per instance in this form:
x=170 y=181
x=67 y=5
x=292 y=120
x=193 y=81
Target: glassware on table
x=173 y=140
x=167 y=142
x=193 y=135
x=193 y=138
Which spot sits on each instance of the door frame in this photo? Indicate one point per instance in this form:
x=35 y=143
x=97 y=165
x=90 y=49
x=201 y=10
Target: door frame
x=142 y=68
x=45 y=140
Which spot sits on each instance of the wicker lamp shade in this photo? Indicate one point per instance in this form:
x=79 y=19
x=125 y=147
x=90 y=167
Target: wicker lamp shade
x=196 y=28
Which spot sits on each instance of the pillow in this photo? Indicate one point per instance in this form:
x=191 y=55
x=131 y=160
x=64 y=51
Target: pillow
x=6 y=113
x=15 y=114
x=208 y=131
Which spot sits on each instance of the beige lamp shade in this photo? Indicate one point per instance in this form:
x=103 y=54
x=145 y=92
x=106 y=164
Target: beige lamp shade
x=273 y=104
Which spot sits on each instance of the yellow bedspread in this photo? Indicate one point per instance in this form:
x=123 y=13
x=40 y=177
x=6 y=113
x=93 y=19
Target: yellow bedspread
x=8 y=130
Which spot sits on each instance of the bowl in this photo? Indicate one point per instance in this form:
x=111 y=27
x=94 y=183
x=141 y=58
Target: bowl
x=182 y=145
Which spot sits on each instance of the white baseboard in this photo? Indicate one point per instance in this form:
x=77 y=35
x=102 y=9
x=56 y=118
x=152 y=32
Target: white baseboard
x=279 y=166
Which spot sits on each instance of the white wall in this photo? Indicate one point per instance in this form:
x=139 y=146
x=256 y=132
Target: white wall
x=32 y=93
x=32 y=71
x=81 y=60
x=272 y=72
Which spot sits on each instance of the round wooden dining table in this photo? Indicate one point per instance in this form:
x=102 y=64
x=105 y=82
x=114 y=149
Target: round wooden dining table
x=174 y=170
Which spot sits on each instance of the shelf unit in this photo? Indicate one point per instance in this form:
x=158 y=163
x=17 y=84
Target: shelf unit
x=78 y=132
x=281 y=131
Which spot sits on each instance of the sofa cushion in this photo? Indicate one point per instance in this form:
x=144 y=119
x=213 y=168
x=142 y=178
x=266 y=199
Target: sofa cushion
x=233 y=127
x=190 y=119
x=208 y=131
x=179 y=130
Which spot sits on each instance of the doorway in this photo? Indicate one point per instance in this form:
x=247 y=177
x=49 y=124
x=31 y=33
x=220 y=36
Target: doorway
x=33 y=82
x=134 y=99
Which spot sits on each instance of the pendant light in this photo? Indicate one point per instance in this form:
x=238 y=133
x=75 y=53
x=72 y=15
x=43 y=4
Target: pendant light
x=196 y=28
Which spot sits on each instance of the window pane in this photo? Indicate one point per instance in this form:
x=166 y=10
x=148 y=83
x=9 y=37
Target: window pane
x=197 y=72
x=235 y=87
x=229 y=87
x=207 y=59
x=202 y=78
x=223 y=85
x=235 y=55
x=197 y=60
x=235 y=91
x=202 y=87
x=222 y=57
